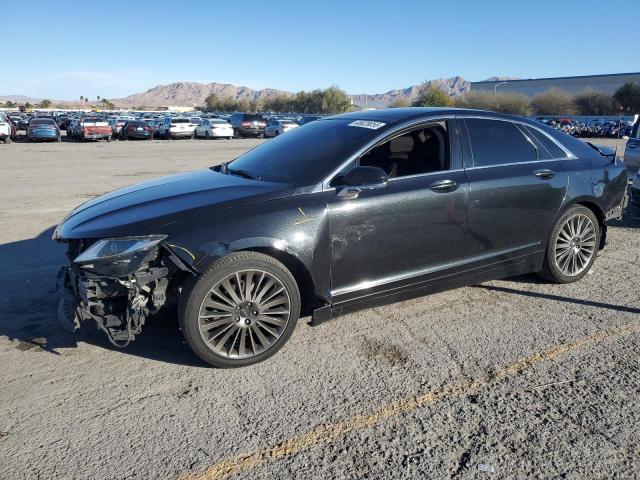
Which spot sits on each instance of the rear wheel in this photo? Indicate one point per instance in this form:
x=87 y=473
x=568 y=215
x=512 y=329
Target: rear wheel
x=7 y=139
x=241 y=311
x=573 y=246
x=207 y=135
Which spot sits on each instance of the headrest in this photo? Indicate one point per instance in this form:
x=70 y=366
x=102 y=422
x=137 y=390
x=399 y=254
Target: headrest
x=401 y=144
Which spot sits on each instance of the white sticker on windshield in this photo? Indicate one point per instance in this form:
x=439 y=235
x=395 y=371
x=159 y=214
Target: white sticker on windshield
x=367 y=124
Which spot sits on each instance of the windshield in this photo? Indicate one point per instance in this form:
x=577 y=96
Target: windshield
x=180 y=120
x=305 y=155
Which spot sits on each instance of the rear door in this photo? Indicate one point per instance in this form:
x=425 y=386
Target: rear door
x=632 y=152
x=516 y=188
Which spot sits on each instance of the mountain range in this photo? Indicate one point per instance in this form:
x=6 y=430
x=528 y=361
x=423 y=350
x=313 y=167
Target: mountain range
x=190 y=94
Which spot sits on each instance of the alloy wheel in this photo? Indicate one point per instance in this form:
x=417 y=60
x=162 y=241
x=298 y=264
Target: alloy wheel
x=575 y=245
x=244 y=314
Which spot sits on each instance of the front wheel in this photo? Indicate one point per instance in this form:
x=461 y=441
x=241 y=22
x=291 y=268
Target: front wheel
x=241 y=311
x=573 y=245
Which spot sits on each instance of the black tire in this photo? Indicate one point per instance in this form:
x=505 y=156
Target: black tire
x=124 y=136
x=109 y=138
x=551 y=270
x=277 y=133
x=229 y=138
x=195 y=293
x=207 y=136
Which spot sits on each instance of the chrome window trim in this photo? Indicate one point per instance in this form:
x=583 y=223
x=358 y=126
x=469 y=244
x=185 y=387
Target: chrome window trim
x=324 y=185
x=511 y=164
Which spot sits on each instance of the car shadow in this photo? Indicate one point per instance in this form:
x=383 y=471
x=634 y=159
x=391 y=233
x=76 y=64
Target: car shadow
x=28 y=308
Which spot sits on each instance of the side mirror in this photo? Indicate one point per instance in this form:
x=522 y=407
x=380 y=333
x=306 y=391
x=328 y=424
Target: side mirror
x=362 y=178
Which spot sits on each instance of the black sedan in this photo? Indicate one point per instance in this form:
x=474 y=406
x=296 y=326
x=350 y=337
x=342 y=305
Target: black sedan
x=342 y=213
x=136 y=129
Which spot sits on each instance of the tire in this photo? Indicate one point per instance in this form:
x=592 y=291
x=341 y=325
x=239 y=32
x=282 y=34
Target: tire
x=59 y=139
x=258 y=270
x=277 y=133
x=109 y=138
x=560 y=264
x=7 y=140
x=207 y=136
x=229 y=138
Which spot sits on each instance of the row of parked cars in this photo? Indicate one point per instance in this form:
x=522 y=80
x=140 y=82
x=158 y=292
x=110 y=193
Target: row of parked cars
x=101 y=127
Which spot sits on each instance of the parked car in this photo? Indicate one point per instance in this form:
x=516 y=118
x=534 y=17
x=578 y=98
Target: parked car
x=632 y=150
x=348 y=211
x=43 y=129
x=276 y=127
x=23 y=123
x=6 y=129
x=136 y=129
x=197 y=121
x=93 y=128
x=63 y=122
x=176 y=128
x=14 y=127
x=154 y=123
x=17 y=120
x=248 y=125
x=634 y=191
x=214 y=128
x=116 y=125
x=72 y=128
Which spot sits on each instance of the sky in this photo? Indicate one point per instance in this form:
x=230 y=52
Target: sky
x=61 y=50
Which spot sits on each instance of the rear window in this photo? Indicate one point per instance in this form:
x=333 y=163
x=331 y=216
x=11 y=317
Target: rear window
x=180 y=120
x=41 y=121
x=305 y=155
x=218 y=122
x=548 y=145
x=252 y=118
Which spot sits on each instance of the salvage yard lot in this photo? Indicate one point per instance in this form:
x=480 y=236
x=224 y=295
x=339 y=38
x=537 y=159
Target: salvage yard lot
x=511 y=378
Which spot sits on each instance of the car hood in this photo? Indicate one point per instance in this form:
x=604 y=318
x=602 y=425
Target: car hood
x=165 y=205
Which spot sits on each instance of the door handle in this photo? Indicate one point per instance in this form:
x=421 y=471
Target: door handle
x=349 y=193
x=544 y=173
x=442 y=186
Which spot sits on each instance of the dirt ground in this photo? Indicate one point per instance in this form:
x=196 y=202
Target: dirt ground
x=509 y=379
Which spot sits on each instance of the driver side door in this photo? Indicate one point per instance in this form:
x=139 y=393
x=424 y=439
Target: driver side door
x=409 y=231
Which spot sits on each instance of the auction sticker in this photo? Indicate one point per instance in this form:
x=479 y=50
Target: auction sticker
x=367 y=124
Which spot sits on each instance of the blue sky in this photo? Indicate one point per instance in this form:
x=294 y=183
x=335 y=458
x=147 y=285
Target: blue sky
x=62 y=50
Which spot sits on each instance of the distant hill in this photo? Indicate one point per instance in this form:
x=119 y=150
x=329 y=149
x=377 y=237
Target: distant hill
x=188 y=94
x=499 y=79
x=19 y=99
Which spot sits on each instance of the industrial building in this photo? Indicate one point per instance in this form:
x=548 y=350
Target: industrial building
x=574 y=85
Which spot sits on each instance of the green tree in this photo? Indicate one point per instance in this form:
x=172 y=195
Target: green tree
x=432 y=97
x=82 y=98
x=400 y=102
x=595 y=103
x=334 y=100
x=553 y=102
x=9 y=104
x=46 y=103
x=628 y=97
x=28 y=106
x=212 y=102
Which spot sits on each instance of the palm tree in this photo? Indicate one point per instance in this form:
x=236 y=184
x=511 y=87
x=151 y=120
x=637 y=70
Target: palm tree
x=98 y=98
x=81 y=98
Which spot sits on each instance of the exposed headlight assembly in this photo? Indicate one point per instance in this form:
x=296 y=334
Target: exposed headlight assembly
x=118 y=257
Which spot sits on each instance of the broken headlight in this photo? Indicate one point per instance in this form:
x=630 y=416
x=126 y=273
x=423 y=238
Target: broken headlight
x=118 y=257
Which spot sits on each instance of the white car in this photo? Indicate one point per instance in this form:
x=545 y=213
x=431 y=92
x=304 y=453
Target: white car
x=176 y=128
x=276 y=127
x=214 y=128
x=5 y=129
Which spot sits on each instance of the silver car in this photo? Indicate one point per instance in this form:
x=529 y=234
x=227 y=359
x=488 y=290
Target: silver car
x=634 y=191
x=276 y=127
x=632 y=152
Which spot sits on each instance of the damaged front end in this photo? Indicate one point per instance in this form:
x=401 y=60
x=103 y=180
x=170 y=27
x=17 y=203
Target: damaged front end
x=118 y=283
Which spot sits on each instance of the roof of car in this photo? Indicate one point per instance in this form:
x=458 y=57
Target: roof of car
x=393 y=115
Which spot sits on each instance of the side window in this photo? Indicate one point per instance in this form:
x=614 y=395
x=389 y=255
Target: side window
x=497 y=142
x=549 y=145
x=422 y=150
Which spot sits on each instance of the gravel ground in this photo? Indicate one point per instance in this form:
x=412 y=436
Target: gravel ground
x=508 y=379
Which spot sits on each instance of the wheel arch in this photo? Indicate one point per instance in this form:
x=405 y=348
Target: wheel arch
x=597 y=210
x=302 y=276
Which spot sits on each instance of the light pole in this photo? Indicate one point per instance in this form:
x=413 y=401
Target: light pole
x=495 y=92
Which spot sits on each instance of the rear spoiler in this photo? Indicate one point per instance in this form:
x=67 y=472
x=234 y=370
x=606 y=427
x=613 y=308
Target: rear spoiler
x=603 y=150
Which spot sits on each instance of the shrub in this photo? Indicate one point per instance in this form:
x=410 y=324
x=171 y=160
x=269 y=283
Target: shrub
x=595 y=103
x=628 y=97
x=553 y=102
x=400 y=102
x=432 y=97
